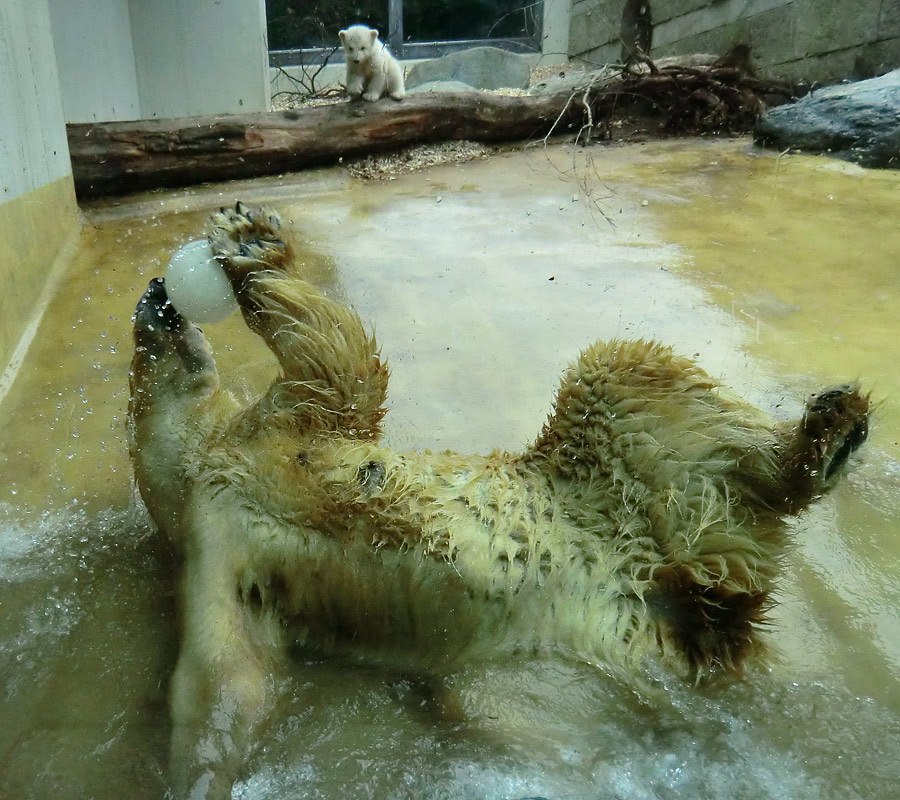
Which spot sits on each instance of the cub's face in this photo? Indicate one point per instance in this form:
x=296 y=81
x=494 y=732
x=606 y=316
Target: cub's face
x=359 y=42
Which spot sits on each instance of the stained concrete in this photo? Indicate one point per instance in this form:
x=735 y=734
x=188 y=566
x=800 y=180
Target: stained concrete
x=813 y=40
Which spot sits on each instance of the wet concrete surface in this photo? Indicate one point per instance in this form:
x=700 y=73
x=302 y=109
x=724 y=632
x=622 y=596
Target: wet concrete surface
x=481 y=281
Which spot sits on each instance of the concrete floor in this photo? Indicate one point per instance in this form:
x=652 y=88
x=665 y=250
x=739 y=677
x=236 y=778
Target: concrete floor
x=482 y=281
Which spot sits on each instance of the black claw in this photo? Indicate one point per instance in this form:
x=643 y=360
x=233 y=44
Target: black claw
x=851 y=443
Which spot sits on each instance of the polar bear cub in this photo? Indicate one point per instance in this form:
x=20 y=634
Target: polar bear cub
x=372 y=72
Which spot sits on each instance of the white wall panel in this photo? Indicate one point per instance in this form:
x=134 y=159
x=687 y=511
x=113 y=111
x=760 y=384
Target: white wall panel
x=33 y=148
x=200 y=56
x=95 y=58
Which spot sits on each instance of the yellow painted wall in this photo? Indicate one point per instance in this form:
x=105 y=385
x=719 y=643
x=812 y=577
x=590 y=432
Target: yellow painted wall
x=34 y=230
x=38 y=212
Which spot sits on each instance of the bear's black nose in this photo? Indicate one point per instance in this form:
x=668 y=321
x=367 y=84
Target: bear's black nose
x=154 y=308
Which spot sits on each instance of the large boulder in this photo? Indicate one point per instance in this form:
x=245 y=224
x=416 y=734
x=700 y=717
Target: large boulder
x=571 y=81
x=858 y=122
x=480 y=68
x=440 y=86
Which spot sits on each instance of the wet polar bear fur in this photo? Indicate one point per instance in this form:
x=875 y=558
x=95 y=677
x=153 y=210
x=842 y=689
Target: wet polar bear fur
x=646 y=520
x=372 y=72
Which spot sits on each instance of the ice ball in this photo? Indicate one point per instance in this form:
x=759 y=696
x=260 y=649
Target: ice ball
x=197 y=285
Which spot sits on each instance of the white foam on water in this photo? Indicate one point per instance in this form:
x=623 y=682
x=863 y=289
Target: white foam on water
x=71 y=583
x=759 y=740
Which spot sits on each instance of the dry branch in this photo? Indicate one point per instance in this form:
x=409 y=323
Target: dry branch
x=121 y=157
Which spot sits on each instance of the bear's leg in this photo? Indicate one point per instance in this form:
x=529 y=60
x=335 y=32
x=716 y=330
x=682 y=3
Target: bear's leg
x=817 y=448
x=375 y=89
x=220 y=693
x=355 y=85
x=717 y=622
x=395 y=87
x=332 y=375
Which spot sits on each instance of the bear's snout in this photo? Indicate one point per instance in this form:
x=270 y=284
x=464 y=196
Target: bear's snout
x=155 y=310
x=167 y=344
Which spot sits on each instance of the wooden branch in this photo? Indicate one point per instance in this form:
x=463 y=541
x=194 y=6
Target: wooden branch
x=121 y=157
x=118 y=157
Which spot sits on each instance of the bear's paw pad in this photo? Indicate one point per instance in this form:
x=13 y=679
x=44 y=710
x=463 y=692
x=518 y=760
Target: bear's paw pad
x=247 y=236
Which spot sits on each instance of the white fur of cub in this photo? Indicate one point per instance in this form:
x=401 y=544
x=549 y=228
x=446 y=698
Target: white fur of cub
x=372 y=72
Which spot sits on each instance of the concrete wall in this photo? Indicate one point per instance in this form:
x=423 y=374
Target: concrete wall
x=38 y=213
x=138 y=59
x=819 y=40
x=555 y=31
x=200 y=56
x=95 y=58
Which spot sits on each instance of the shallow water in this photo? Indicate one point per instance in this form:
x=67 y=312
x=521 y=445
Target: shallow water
x=481 y=281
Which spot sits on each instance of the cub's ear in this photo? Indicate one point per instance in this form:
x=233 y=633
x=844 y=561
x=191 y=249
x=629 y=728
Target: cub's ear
x=343 y=35
x=373 y=34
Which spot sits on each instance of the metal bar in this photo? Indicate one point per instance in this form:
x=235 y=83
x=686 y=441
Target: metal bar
x=411 y=50
x=395 y=27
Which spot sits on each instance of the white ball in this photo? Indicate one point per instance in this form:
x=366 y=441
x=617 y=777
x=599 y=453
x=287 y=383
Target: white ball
x=197 y=285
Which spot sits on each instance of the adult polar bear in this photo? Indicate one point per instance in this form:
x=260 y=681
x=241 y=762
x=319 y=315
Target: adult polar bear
x=647 y=520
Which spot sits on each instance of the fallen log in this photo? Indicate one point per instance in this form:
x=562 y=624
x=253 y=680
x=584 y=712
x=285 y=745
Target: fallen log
x=122 y=157
x=117 y=157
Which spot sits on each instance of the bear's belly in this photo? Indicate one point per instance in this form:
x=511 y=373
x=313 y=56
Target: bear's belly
x=404 y=605
x=441 y=561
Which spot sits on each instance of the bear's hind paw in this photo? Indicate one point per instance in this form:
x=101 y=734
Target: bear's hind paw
x=834 y=425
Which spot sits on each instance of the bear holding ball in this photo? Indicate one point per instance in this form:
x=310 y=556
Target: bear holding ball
x=647 y=521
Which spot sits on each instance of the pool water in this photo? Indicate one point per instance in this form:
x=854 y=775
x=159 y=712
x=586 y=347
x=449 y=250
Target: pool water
x=482 y=280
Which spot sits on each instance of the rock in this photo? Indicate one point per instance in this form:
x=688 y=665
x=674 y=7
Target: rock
x=858 y=122
x=480 y=68
x=440 y=86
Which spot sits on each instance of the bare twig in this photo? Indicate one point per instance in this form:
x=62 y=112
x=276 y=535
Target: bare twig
x=304 y=86
x=561 y=115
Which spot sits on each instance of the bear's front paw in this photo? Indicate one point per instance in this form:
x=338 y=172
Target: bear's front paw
x=355 y=87
x=371 y=97
x=247 y=240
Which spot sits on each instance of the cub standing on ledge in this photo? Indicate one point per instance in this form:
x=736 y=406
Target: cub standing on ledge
x=372 y=72
x=647 y=520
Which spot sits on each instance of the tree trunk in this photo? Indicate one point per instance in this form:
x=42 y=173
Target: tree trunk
x=118 y=157
x=121 y=157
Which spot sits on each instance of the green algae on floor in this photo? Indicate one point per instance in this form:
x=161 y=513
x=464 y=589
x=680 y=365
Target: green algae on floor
x=805 y=249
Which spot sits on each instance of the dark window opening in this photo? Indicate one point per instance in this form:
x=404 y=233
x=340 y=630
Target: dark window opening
x=304 y=32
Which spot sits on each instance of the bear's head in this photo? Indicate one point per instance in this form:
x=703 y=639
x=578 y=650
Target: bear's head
x=359 y=42
x=171 y=355
x=174 y=401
